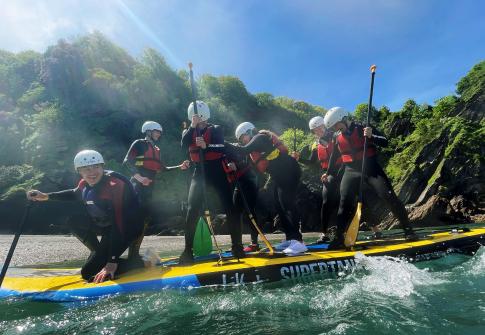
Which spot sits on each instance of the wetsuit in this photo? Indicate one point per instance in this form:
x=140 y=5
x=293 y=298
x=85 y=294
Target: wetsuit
x=321 y=152
x=247 y=179
x=351 y=144
x=216 y=177
x=143 y=158
x=113 y=211
x=269 y=155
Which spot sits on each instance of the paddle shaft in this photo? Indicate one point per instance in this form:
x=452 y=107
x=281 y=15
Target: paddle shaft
x=14 y=242
x=251 y=217
x=202 y=167
x=369 y=107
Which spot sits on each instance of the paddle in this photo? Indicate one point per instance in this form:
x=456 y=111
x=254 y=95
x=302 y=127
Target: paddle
x=202 y=240
x=353 y=229
x=14 y=242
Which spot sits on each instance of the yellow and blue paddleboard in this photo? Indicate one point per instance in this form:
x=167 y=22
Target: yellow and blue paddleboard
x=66 y=285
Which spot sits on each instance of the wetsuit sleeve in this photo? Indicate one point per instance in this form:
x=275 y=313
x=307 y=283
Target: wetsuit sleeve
x=259 y=143
x=73 y=194
x=187 y=137
x=308 y=155
x=217 y=140
x=135 y=150
x=378 y=138
x=332 y=166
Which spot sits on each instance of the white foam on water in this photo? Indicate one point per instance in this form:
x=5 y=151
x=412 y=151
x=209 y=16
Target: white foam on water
x=476 y=266
x=393 y=277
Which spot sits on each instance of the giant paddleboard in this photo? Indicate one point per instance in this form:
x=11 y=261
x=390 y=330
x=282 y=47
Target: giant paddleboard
x=65 y=285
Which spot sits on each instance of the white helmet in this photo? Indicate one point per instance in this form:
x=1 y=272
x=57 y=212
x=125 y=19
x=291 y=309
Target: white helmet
x=202 y=110
x=316 y=122
x=244 y=128
x=151 y=125
x=334 y=115
x=87 y=158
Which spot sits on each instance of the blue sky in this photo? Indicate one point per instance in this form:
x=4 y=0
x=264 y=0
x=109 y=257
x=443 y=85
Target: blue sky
x=316 y=51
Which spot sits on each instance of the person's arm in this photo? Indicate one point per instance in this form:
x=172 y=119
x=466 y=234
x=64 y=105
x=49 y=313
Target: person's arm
x=136 y=149
x=122 y=201
x=259 y=143
x=64 y=195
x=217 y=140
x=308 y=155
x=187 y=137
x=378 y=138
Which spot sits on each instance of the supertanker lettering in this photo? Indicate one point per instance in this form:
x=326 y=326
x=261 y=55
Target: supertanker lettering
x=318 y=268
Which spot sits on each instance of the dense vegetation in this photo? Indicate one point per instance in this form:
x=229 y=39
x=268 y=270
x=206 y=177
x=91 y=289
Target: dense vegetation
x=89 y=93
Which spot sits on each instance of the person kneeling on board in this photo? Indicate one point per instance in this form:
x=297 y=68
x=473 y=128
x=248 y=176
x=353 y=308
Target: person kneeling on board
x=114 y=212
x=350 y=143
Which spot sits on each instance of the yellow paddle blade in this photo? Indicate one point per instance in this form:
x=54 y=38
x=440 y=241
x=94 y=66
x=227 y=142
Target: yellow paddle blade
x=353 y=230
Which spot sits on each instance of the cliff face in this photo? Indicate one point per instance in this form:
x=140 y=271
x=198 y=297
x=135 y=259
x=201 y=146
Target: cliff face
x=442 y=179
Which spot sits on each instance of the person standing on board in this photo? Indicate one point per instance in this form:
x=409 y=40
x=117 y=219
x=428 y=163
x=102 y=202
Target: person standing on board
x=350 y=144
x=270 y=155
x=209 y=138
x=321 y=150
x=247 y=177
x=114 y=213
x=144 y=161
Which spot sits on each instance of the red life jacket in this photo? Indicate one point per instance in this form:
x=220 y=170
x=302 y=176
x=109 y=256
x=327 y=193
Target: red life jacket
x=324 y=153
x=150 y=159
x=194 y=149
x=352 y=147
x=262 y=160
x=232 y=176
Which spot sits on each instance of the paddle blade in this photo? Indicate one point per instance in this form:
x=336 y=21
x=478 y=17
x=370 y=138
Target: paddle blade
x=353 y=230
x=202 y=239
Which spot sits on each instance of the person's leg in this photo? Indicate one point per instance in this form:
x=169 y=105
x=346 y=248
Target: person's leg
x=193 y=212
x=100 y=257
x=84 y=230
x=349 y=188
x=382 y=186
x=286 y=190
x=217 y=178
x=330 y=202
x=249 y=190
x=145 y=194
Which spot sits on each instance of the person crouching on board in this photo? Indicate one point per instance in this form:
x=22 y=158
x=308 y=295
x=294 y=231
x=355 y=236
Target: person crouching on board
x=350 y=143
x=321 y=151
x=270 y=155
x=114 y=212
x=144 y=161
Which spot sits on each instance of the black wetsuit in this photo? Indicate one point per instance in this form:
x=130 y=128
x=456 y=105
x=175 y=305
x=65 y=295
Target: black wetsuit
x=216 y=177
x=330 y=188
x=134 y=161
x=143 y=158
x=113 y=211
x=285 y=173
x=248 y=183
x=375 y=178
